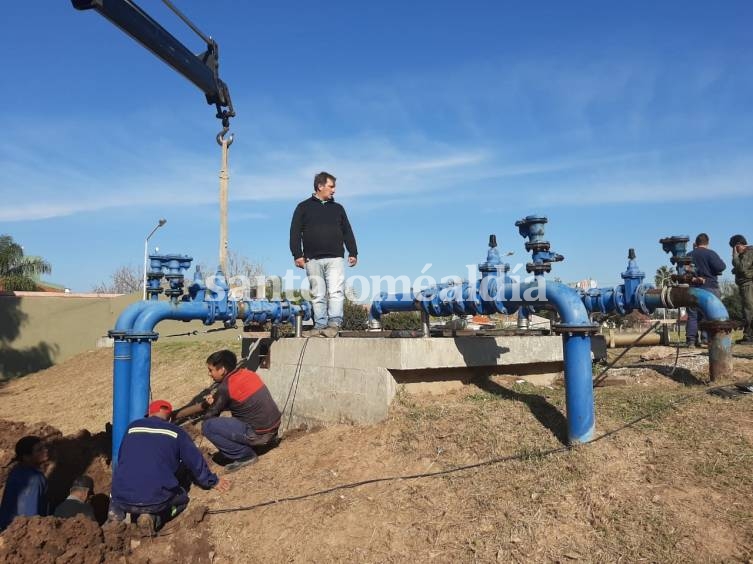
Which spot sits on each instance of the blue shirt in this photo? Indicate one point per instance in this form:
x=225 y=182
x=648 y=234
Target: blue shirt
x=25 y=494
x=708 y=265
x=150 y=455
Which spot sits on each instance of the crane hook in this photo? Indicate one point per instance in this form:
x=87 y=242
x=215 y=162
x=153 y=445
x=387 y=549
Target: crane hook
x=221 y=137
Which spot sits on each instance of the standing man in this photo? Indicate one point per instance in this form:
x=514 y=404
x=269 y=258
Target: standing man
x=255 y=415
x=708 y=266
x=77 y=502
x=742 y=268
x=318 y=231
x=26 y=487
x=145 y=482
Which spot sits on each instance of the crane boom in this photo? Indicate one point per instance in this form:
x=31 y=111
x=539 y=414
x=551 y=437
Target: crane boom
x=202 y=70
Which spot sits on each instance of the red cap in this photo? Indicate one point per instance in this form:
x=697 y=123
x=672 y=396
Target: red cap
x=159 y=405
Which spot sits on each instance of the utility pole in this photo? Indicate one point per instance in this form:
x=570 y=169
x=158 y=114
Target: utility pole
x=224 y=177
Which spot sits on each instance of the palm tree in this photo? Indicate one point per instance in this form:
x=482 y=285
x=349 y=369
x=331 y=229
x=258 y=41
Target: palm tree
x=18 y=272
x=663 y=277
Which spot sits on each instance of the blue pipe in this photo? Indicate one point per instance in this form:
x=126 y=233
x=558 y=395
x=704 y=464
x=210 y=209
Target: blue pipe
x=121 y=370
x=134 y=334
x=633 y=294
x=686 y=296
x=142 y=335
x=507 y=295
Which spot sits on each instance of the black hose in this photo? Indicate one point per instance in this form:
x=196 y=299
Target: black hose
x=507 y=458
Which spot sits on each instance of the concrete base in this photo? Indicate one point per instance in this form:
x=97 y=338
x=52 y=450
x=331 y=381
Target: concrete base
x=355 y=379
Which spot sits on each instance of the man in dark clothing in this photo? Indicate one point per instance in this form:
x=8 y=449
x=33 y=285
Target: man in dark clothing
x=26 y=487
x=318 y=231
x=708 y=266
x=255 y=415
x=76 y=502
x=742 y=268
x=144 y=483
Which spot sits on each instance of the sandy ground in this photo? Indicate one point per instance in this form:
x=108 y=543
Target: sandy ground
x=674 y=487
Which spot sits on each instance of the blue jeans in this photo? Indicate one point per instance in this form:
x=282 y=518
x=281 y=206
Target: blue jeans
x=164 y=511
x=234 y=438
x=327 y=281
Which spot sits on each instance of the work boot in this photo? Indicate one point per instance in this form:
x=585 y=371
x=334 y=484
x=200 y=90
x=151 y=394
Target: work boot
x=241 y=462
x=691 y=344
x=147 y=524
x=331 y=331
x=314 y=332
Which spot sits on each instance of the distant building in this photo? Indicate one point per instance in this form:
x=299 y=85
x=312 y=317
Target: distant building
x=586 y=284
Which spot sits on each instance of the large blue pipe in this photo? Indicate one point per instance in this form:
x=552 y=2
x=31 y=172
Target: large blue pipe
x=143 y=335
x=122 y=368
x=134 y=333
x=634 y=295
x=498 y=294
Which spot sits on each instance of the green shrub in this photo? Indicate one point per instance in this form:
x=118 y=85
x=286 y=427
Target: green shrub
x=355 y=316
x=402 y=321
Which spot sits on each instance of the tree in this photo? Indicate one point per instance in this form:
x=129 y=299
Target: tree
x=243 y=276
x=663 y=277
x=18 y=272
x=125 y=280
x=732 y=300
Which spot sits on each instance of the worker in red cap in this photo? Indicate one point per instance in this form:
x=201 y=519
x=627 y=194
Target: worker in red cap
x=145 y=482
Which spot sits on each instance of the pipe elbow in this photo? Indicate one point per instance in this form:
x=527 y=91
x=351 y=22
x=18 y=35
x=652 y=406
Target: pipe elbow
x=129 y=315
x=375 y=311
x=711 y=306
x=568 y=303
x=684 y=296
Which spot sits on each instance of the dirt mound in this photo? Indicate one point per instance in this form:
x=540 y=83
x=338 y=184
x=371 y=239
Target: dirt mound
x=70 y=456
x=48 y=540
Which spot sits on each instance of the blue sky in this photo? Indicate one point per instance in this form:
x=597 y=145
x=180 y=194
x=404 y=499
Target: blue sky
x=443 y=122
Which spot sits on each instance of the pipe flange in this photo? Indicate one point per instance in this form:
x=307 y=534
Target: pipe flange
x=640 y=295
x=719 y=326
x=537 y=246
x=117 y=335
x=538 y=267
x=619 y=300
x=589 y=329
x=151 y=336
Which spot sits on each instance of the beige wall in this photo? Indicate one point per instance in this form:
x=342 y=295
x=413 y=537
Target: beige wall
x=37 y=331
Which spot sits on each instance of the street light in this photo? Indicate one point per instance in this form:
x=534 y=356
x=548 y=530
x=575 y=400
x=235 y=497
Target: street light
x=160 y=223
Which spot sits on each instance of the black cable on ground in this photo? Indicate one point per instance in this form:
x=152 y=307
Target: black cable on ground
x=296 y=379
x=492 y=461
x=601 y=377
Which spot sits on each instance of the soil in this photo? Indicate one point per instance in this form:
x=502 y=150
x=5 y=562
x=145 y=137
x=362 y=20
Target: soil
x=69 y=456
x=675 y=486
x=48 y=540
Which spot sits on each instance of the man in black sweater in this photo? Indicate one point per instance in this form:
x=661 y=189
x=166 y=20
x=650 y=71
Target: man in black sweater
x=318 y=232
x=708 y=266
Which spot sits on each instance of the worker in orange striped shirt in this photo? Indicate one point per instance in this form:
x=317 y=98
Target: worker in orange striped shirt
x=255 y=415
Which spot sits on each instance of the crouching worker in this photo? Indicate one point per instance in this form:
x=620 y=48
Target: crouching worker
x=144 y=483
x=255 y=415
x=77 y=502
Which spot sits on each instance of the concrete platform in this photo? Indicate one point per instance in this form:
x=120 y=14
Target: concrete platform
x=355 y=379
